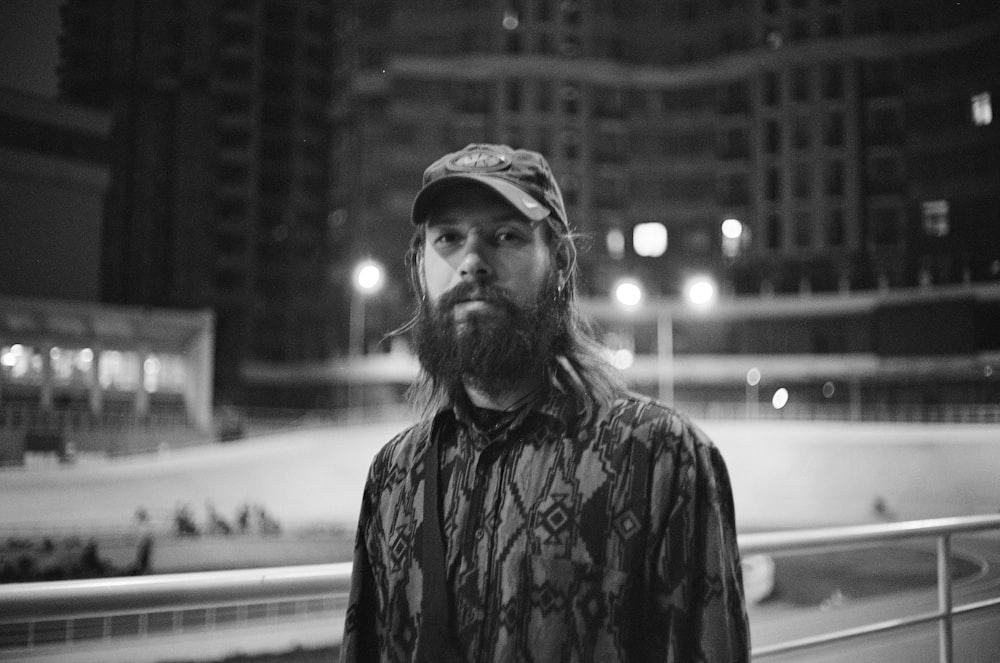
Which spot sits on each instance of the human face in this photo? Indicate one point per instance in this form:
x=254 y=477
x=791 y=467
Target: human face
x=473 y=237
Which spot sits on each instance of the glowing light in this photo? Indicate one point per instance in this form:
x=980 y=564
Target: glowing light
x=368 y=276
x=510 y=20
x=151 y=366
x=10 y=357
x=828 y=389
x=650 y=239
x=780 y=398
x=753 y=377
x=732 y=228
x=700 y=291
x=982 y=109
x=628 y=293
x=622 y=359
x=615 y=241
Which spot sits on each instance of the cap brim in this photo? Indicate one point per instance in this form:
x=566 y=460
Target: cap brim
x=524 y=203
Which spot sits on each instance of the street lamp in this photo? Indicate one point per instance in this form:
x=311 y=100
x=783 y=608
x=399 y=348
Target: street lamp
x=732 y=237
x=699 y=291
x=753 y=386
x=628 y=293
x=367 y=279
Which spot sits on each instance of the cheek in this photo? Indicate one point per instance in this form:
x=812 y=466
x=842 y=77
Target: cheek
x=529 y=278
x=437 y=275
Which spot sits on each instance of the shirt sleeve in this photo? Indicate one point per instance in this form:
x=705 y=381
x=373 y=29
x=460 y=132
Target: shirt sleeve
x=697 y=584
x=360 y=642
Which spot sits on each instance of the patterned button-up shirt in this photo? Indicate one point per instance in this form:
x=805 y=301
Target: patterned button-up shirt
x=611 y=542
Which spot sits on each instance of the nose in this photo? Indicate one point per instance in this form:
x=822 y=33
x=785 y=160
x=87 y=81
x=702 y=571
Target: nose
x=475 y=264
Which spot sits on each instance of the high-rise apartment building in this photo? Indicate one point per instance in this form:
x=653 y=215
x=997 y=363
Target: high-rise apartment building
x=221 y=170
x=853 y=140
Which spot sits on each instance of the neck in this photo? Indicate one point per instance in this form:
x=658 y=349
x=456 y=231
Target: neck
x=507 y=398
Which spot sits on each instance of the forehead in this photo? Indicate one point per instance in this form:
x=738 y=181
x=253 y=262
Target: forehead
x=459 y=202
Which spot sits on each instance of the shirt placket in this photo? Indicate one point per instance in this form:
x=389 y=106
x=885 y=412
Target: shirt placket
x=480 y=537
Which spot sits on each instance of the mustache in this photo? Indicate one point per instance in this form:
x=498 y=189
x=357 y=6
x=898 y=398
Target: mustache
x=464 y=292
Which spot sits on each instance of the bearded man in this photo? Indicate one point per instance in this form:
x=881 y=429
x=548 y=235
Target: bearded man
x=539 y=511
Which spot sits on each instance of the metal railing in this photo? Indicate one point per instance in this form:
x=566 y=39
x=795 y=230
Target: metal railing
x=940 y=529
x=62 y=614
x=53 y=616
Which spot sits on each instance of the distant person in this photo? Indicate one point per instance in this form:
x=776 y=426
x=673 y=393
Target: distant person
x=184 y=524
x=539 y=512
x=243 y=518
x=216 y=523
x=143 y=558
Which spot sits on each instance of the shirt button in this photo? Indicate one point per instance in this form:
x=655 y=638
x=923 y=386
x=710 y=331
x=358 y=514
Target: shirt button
x=480 y=532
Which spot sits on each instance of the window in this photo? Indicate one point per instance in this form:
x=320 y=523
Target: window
x=883 y=175
x=803 y=175
x=772 y=137
x=833 y=81
x=801 y=129
x=513 y=90
x=772 y=89
x=835 y=227
x=886 y=228
x=773 y=184
x=570 y=144
x=734 y=144
x=835 y=178
x=803 y=229
x=774 y=231
x=570 y=96
x=884 y=125
x=982 y=109
x=935 y=215
x=833 y=129
x=800 y=84
x=543 y=97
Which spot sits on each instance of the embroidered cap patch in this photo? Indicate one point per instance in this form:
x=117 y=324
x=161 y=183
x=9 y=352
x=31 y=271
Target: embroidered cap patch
x=480 y=161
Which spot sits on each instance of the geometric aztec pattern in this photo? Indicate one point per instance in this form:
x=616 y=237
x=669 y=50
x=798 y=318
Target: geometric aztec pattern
x=611 y=542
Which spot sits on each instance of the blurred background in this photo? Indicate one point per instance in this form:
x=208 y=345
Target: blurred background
x=791 y=211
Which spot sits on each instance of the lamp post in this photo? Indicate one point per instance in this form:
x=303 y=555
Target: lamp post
x=367 y=279
x=698 y=292
x=753 y=385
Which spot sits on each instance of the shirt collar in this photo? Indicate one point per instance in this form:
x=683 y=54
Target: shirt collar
x=553 y=407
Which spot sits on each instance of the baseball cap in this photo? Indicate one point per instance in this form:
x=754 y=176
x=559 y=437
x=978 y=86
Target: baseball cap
x=522 y=177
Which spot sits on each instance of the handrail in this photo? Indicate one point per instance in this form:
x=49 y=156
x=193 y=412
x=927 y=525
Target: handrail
x=66 y=599
x=76 y=601
x=830 y=537
x=836 y=537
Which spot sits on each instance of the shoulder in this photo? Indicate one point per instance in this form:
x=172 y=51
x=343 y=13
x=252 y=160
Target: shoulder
x=400 y=453
x=654 y=423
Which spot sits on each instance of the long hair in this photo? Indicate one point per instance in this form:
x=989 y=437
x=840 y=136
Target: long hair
x=578 y=367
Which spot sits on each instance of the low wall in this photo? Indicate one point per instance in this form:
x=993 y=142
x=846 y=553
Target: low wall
x=795 y=474
x=784 y=474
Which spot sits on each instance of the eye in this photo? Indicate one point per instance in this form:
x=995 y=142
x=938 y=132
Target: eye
x=446 y=238
x=510 y=237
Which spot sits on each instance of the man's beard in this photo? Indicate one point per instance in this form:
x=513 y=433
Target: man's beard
x=492 y=350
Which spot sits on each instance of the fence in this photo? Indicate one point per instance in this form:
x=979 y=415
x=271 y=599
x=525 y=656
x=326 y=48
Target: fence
x=150 y=612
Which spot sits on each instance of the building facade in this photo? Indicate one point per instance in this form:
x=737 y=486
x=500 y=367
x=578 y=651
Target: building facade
x=852 y=139
x=54 y=177
x=220 y=193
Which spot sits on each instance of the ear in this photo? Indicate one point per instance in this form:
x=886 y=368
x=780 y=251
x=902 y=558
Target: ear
x=565 y=260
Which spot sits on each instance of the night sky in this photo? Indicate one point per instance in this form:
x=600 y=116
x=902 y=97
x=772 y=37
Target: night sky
x=29 y=50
